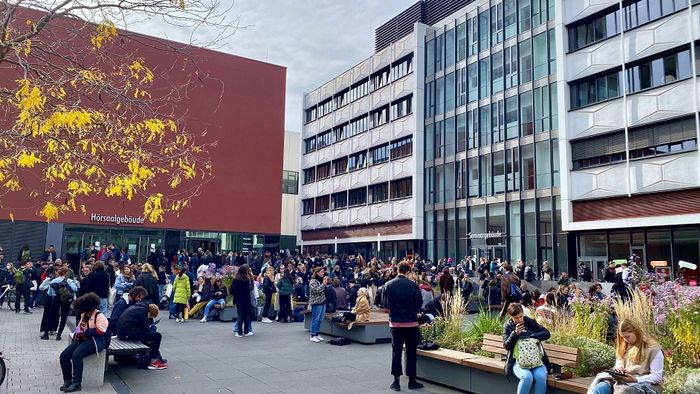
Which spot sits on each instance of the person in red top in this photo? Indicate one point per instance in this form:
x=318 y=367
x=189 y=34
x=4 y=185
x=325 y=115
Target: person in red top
x=89 y=338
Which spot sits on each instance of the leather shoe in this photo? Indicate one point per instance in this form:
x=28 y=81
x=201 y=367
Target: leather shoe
x=413 y=385
x=65 y=384
x=395 y=386
x=75 y=386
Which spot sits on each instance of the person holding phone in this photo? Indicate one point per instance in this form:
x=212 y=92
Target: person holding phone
x=520 y=327
x=639 y=364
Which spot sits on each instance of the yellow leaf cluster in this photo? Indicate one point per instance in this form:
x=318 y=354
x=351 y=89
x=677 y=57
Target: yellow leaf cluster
x=140 y=72
x=106 y=31
x=30 y=101
x=153 y=209
x=27 y=160
x=76 y=187
x=49 y=211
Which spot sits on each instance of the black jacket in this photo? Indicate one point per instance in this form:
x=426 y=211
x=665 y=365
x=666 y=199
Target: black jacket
x=98 y=283
x=268 y=287
x=222 y=290
x=240 y=291
x=510 y=338
x=134 y=321
x=403 y=299
x=148 y=282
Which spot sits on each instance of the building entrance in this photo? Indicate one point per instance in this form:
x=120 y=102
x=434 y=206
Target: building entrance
x=489 y=252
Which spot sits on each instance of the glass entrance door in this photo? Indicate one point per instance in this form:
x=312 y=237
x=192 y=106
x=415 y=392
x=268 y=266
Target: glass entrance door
x=490 y=252
x=597 y=264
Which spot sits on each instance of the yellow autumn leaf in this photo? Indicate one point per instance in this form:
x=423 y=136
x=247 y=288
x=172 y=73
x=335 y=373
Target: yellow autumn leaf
x=49 y=211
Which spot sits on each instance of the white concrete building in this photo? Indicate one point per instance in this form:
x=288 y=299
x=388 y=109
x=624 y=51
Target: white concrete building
x=289 y=226
x=362 y=157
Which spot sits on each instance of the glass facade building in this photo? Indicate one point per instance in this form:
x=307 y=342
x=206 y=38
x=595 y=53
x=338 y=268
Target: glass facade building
x=491 y=135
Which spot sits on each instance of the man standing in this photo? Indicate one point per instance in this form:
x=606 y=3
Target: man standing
x=403 y=299
x=22 y=278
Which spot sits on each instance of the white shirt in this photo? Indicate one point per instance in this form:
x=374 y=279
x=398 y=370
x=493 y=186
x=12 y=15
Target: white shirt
x=656 y=369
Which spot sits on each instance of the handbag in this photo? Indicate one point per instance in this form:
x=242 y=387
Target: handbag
x=528 y=353
x=254 y=295
x=427 y=344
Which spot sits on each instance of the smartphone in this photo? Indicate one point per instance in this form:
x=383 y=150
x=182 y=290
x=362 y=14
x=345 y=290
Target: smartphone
x=615 y=374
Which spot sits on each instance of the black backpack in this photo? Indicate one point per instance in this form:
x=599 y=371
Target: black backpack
x=340 y=341
x=63 y=291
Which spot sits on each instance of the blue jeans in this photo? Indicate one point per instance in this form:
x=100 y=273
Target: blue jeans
x=527 y=376
x=160 y=291
x=171 y=308
x=210 y=304
x=235 y=325
x=602 y=388
x=104 y=305
x=317 y=314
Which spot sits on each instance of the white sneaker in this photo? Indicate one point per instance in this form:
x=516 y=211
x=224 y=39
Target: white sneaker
x=177 y=320
x=250 y=334
x=320 y=338
x=266 y=320
x=238 y=336
x=204 y=320
x=315 y=339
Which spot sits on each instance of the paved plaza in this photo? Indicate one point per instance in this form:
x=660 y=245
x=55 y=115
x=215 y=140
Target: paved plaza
x=207 y=358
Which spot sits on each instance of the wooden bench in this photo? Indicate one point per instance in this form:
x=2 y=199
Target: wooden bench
x=477 y=374
x=376 y=330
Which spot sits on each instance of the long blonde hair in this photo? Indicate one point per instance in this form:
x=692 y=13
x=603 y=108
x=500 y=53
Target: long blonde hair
x=635 y=353
x=149 y=269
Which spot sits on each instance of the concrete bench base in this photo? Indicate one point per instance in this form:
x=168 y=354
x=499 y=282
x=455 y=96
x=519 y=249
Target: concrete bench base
x=363 y=333
x=94 y=370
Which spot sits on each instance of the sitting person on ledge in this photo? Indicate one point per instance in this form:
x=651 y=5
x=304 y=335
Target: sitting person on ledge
x=360 y=312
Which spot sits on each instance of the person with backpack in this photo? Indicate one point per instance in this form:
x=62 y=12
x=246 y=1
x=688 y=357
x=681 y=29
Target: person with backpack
x=22 y=278
x=60 y=292
x=526 y=358
x=510 y=288
x=89 y=339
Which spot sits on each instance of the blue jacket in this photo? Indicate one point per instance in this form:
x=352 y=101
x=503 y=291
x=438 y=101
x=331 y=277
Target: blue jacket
x=46 y=285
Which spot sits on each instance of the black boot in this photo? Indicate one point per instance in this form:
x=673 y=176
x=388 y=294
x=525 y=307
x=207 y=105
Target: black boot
x=65 y=384
x=58 y=337
x=395 y=386
x=45 y=336
x=413 y=384
x=74 y=386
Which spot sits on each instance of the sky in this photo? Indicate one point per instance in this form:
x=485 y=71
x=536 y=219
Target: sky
x=315 y=39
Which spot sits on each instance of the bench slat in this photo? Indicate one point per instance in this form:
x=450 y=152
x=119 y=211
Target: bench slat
x=492 y=349
x=561 y=349
x=562 y=356
x=450 y=356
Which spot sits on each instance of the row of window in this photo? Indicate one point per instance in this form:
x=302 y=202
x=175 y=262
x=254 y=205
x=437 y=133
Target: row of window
x=607 y=23
x=378 y=154
x=521 y=168
x=650 y=73
x=359 y=89
x=534 y=111
x=489 y=28
x=381 y=192
x=674 y=136
x=518 y=64
x=377 y=117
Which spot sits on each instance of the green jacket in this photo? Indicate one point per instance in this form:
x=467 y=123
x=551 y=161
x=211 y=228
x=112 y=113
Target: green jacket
x=181 y=289
x=284 y=286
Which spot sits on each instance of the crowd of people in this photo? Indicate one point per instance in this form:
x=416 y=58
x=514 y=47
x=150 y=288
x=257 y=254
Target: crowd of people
x=282 y=284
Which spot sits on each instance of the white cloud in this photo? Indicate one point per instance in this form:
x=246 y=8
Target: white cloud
x=315 y=39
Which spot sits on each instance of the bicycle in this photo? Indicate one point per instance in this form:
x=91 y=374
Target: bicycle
x=8 y=293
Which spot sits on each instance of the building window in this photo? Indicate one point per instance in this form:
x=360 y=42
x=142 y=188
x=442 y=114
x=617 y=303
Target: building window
x=379 y=116
x=379 y=154
x=402 y=107
x=497 y=72
x=439 y=140
x=484 y=126
x=543 y=165
x=510 y=66
x=450 y=48
x=552 y=45
x=596 y=89
x=439 y=52
x=290 y=182
x=525 y=62
x=323 y=204
x=440 y=96
x=323 y=171
x=357 y=197
x=461 y=180
x=461 y=132
x=340 y=166
x=378 y=193
x=450 y=92
x=461 y=41
x=401 y=148
x=643 y=11
x=401 y=188
x=430 y=99
x=310 y=115
x=484 y=78
x=542 y=109
x=310 y=145
x=473 y=80
x=340 y=132
x=342 y=98
x=473 y=36
x=512 y=170
x=402 y=67
x=497 y=24
x=357 y=161
x=430 y=57
x=512 y=117
x=307 y=206
x=484 y=33
x=473 y=128
x=499 y=172
x=339 y=200
x=380 y=78
x=497 y=122
x=539 y=12
x=524 y=24
x=309 y=175
x=357 y=125
x=325 y=107
x=540 y=55
x=324 y=139
x=359 y=89
x=659 y=71
x=510 y=18
x=461 y=87
x=527 y=158
x=473 y=171
x=595 y=29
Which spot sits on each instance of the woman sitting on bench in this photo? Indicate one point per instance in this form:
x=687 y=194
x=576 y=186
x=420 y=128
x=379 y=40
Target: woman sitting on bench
x=359 y=313
x=218 y=296
x=88 y=339
x=526 y=358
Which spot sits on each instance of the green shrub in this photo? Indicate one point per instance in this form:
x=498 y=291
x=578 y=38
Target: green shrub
x=683 y=381
x=594 y=357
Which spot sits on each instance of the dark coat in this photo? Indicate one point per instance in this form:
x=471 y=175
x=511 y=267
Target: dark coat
x=240 y=291
x=403 y=299
x=133 y=321
x=510 y=338
x=148 y=282
x=98 y=283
